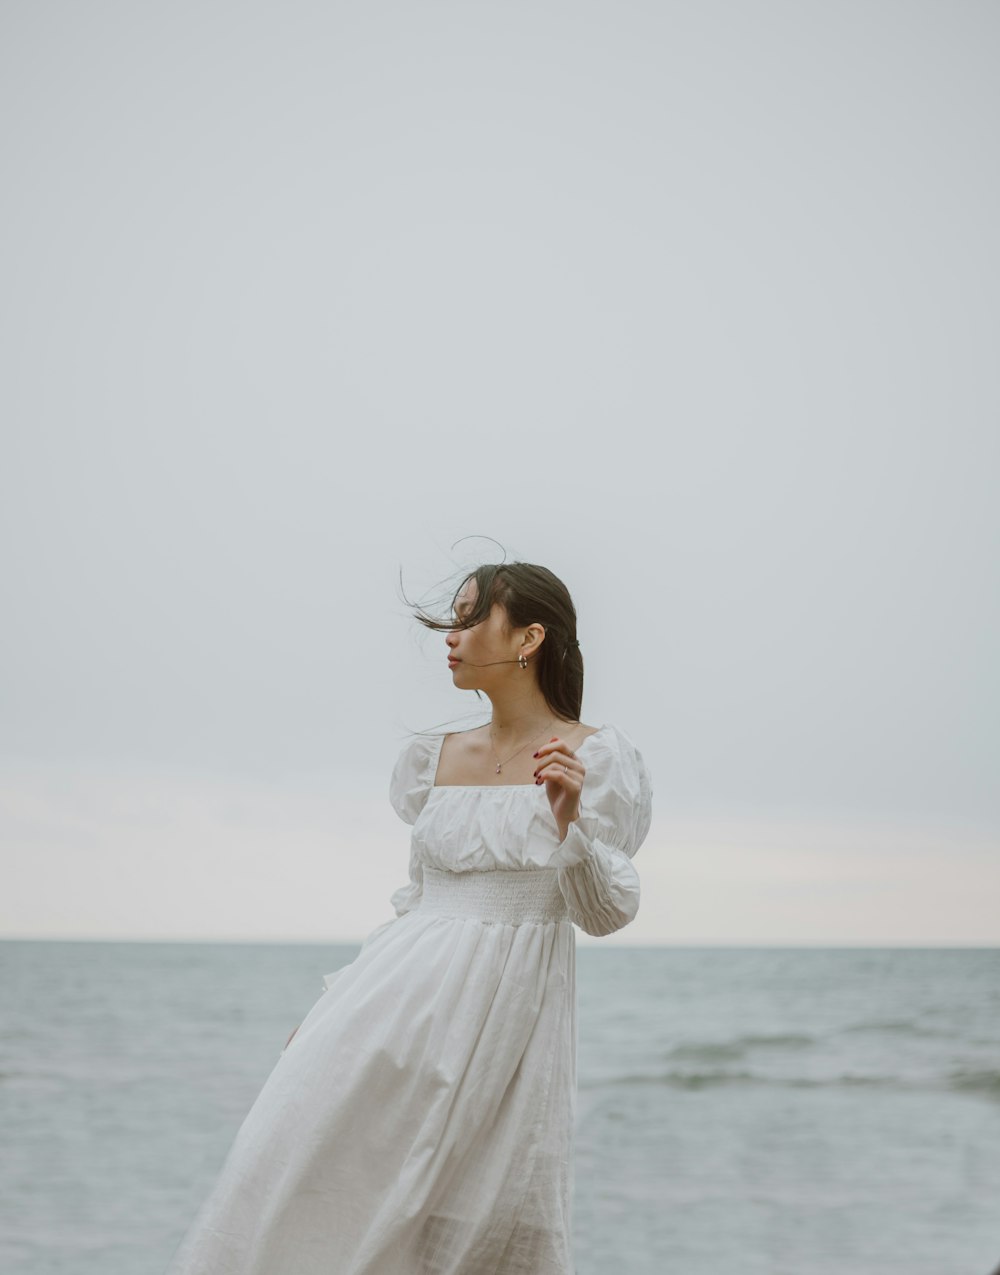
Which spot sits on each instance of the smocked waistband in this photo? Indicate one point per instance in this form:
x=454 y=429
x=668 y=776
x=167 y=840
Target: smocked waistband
x=512 y=896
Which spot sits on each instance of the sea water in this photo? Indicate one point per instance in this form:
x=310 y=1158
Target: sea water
x=775 y=1111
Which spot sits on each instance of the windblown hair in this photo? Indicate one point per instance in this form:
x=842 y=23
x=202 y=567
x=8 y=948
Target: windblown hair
x=528 y=594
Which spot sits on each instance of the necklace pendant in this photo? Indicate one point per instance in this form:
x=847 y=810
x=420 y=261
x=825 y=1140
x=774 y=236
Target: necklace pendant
x=498 y=768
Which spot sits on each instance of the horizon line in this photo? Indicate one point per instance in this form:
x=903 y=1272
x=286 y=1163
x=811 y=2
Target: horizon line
x=299 y=941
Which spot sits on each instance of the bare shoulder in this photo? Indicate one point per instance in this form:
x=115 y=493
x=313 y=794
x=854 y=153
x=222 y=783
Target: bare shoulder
x=574 y=733
x=463 y=755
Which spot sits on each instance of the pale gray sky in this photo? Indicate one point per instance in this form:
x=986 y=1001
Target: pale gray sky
x=696 y=305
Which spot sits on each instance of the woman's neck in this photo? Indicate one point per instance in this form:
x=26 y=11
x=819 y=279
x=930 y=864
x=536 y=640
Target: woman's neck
x=518 y=713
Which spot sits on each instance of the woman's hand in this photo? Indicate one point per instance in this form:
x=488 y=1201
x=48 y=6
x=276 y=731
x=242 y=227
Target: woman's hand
x=563 y=775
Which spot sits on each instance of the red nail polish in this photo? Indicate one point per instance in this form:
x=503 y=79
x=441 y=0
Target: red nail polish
x=534 y=754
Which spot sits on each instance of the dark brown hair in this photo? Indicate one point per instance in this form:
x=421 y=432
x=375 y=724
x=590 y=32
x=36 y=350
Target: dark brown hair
x=529 y=594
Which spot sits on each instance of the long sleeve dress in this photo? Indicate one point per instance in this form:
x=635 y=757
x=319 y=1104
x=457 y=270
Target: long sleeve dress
x=421 y=1119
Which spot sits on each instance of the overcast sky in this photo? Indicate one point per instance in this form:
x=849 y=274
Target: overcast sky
x=694 y=304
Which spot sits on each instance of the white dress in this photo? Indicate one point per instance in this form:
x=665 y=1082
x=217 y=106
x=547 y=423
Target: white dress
x=420 y=1121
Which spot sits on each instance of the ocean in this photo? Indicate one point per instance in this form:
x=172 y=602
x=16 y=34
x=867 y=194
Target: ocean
x=834 y=1111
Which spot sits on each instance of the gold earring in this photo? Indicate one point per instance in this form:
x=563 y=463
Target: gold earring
x=522 y=661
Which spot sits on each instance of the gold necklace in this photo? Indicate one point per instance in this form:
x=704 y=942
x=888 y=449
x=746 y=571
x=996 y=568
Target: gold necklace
x=514 y=754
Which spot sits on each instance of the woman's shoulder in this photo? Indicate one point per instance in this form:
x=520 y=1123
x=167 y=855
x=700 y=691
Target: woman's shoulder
x=610 y=737
x=617 y=788
x=614 y=761
x=413 y=774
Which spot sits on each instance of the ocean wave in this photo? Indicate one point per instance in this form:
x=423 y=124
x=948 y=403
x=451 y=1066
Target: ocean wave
x=729 y=1050
x=965 y=1080
x=709 y=1079
x=678 y=1079
x=894 y=1026
x=978 y=1082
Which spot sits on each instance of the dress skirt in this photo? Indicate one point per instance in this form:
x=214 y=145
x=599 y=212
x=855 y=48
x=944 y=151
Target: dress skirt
x=420 y=1121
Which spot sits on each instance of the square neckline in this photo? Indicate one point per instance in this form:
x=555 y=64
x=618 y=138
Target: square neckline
x=436 y=756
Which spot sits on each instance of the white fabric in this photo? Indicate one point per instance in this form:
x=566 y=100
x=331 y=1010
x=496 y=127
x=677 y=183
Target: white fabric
x=420 y=1121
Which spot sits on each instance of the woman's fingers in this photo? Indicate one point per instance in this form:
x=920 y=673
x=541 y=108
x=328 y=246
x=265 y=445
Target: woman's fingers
x=560 y=775
x=557 y=762
x=555 y=750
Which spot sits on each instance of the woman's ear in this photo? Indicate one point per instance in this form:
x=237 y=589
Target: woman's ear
x=534 y=636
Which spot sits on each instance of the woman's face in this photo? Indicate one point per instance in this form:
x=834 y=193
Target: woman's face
x=482 y=655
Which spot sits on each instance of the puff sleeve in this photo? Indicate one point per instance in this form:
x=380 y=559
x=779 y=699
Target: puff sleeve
x=596 y=874
x=412 y=778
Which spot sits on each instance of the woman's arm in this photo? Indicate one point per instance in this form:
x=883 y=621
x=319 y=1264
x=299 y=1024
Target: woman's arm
x=602 y=817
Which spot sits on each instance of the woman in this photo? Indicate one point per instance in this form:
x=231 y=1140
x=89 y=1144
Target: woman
x=419 y=1120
